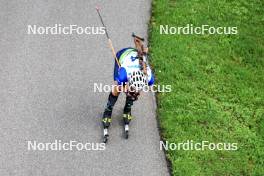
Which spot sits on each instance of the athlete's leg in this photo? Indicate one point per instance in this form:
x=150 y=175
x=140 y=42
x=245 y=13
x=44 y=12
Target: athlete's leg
x=112 y=98
x=108 y=110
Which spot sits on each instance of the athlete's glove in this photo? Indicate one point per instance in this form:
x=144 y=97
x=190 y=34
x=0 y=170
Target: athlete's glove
x=134 y=95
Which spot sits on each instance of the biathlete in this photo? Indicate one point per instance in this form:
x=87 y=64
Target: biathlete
x=131 y=74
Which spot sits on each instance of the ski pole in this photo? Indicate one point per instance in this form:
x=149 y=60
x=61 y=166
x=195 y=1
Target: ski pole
x=108 y=38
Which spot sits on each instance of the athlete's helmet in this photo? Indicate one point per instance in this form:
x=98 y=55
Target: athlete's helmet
x=137 y=80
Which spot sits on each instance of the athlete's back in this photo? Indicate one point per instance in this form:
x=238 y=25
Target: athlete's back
x=129 y=62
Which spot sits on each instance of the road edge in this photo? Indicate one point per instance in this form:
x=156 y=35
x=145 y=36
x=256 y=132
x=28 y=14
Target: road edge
x=155 y=99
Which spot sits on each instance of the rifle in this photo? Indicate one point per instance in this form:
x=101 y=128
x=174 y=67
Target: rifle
x=142 y=51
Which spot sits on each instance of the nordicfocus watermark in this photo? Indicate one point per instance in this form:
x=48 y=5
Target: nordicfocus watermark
x=190 y=29
x=203 y=145
x=99 y=87
x=59 y=29
x=58 y=145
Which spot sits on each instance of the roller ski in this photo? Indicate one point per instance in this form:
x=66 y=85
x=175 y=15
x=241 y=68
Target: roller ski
x=126 y=131
x=106 y=135
x=127 y=118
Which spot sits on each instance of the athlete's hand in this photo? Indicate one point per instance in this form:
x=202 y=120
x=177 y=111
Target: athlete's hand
x=133 y=95
x=146 y=50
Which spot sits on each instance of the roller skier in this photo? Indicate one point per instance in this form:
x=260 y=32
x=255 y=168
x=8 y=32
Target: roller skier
x=131 y=74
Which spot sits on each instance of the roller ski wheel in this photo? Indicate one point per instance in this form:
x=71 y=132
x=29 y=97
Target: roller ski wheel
x=126 y=131
x=106 y=135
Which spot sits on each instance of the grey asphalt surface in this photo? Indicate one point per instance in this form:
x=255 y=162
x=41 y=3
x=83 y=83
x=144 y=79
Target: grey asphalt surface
x=46 y=91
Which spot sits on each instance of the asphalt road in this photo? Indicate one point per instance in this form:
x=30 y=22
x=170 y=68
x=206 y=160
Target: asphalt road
x=46 y=91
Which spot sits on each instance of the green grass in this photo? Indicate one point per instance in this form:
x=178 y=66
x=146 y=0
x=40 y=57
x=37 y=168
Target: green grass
x=217 y=83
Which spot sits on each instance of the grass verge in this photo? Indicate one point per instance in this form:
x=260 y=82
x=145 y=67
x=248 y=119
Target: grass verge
x=217 y=84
